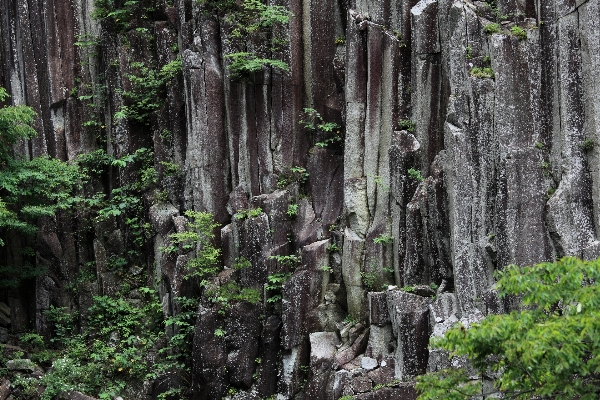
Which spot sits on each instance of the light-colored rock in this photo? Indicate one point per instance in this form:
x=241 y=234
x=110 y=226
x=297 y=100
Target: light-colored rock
x=368 y=363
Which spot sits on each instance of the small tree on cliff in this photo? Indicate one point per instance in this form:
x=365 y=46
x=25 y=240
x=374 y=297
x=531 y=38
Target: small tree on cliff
x=29 y=189
x=550 y=349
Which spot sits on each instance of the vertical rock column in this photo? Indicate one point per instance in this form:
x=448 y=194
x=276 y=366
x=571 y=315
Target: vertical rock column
x=207 y=184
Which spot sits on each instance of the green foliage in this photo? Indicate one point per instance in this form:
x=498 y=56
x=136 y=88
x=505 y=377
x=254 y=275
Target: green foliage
x=107 y=10
x=15 y=125
x=485 y=72
x=407 y=125
x=383 y=239
x=219 y=332
x=469 y=52
x=110 y=352
x=548 y=349
x=293 y=174
x=252 y=36
x=330 y=131
x=518 y=32
x=29 y=189
x=242 y=263
x=340 y=40
x=415 y=174
x=492 y=28
x=587 y=144
x=148 y=90
x=274 y=285
x=231 y=291
x=326 y=268
x=87 y=40
x=370 y=280
x=291 y=260
x=539 y=145
x=333 y=248
x=245 y=63
x=171 y=169
x=177 y=353
x=199 y=237
x=292 y=210
x=249 y=213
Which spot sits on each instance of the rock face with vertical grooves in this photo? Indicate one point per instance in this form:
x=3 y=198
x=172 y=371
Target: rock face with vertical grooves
x=484 y=170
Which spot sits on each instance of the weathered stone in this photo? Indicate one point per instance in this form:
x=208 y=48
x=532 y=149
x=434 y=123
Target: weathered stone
x=25 y=365
x=75 y=395
x=165 y=383
x=425 y=27
x=409 y=314
x=243 y=335
x=305 y=228
x=301 y=296
x=4 y=308
x=361 y=384
x=386 y=373
x=4 y=389
x=368 y=363
x=358 y=347
x=4 y=320
x=443 y=307
x=270 y=355
x=294 y=362
x=210 y=356
x=322 y=350
x=380 y=341
x=405 y=392
x=351 y=268
x=326 y=174
x=378 y=308
x=254 y=238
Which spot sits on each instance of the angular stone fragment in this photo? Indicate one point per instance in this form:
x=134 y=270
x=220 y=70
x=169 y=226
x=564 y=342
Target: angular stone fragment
x=404 y=392
x=4 y=389
x=368 y=363
x=5 y=309
x=358 y=347
x=409 y=314
x=351 y=268
x=22 y=364
x=378 y=308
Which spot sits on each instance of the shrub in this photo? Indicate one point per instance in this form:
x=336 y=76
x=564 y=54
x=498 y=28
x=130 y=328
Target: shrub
x=492 y=28
x=587 y=144
x=416 y=175
x=383 y=239
x=518 y=32
x=407 y=125
x=482 y=72
x=546 y=348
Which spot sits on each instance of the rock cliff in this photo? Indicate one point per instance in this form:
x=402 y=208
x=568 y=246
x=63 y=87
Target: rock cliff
x=460 y=145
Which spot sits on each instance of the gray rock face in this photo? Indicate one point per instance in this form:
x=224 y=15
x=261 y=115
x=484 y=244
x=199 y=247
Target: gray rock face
x=484 y=170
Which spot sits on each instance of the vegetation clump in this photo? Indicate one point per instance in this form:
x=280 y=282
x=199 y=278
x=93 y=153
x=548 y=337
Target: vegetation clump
x=548 y=348
x=329 y=132
x=406 y=125
x=148 y=87
x=485 y=72
x=519 y=32
x=255 y=34
x=491 y=28
x=415 y=174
